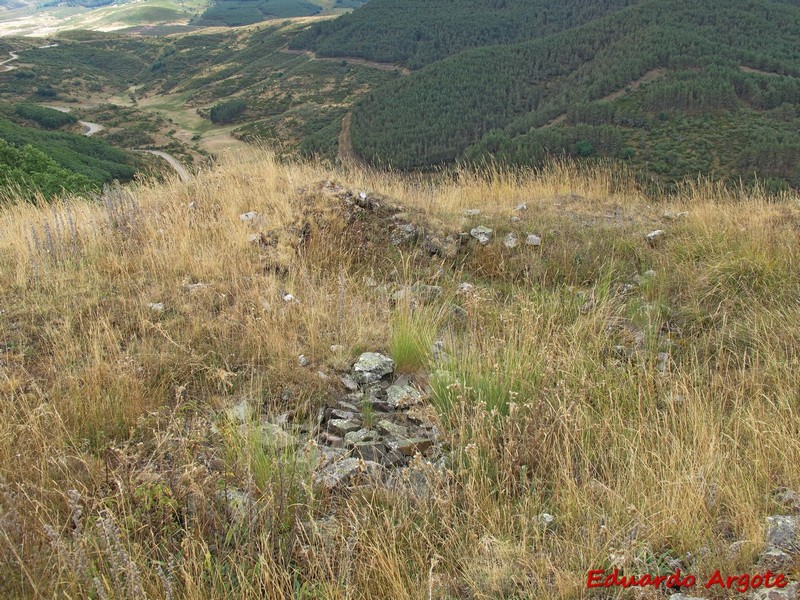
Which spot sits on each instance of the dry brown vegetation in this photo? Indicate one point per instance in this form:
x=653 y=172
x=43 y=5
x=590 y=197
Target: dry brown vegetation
x=115 y=456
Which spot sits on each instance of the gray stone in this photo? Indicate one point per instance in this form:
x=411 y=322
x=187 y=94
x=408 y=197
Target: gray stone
x=521 y=207
x=343 y=413
x=483 y=234
x=337 y=348
x=370 y=451
x=783 y=533
x=303 y=360
x=515 y=219
x=511 y=241
x=346 y=471
x=775 y=560
x=403 y=396
x=393 y=458
x=342 y=427
x=472 y=212
x=788 y=498
x=410 y=447
x=248 y=216
x=391 y=429
x=404 y=233
x=371 y=367
x=156 y=306
x=349 y=383
x=790 y=592
x=546 y=518
x=655 y=237
x=649 y=274
x=673 y=216
x=360 y=436
x=533 y=240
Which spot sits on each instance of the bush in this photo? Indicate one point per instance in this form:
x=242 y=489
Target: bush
x=48 y=118
x=228 y=112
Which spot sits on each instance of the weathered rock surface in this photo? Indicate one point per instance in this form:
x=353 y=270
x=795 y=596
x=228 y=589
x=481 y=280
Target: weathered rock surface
x=533 y=240
x=511 y=241
x=783 y=533
x=371 y=367
x=483 y=234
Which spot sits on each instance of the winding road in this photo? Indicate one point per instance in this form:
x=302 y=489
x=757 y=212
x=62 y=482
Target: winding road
x=183 y=174
x=89 y=129
x=6 y=66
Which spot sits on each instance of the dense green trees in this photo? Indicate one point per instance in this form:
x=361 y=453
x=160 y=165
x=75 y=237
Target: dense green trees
x=706 y=64
x=228 y=112
x=94 y=159
x=420 y=32
x=48 y=118
x=27 y=172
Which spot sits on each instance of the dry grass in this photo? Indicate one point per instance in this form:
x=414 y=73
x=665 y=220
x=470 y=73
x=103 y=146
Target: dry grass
x=113 y=485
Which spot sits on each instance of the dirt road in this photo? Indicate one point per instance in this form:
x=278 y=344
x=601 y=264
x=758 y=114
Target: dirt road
x=89 y=129
x=173 y=162
x=7 y=67
x=349 y=60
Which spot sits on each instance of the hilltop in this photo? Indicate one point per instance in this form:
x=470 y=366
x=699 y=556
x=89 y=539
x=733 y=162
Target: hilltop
x=589 y=377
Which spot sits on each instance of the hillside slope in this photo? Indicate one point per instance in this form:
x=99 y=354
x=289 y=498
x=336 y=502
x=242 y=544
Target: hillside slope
x=732 y=67
x=177 y=380
x=425 y=31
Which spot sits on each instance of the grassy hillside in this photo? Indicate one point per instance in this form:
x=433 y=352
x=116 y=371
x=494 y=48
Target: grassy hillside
x=621 y=86
x=600 y=401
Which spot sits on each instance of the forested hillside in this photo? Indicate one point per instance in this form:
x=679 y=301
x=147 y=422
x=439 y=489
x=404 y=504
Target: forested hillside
x=680 y=88
x=245 y=12
x=424 y=31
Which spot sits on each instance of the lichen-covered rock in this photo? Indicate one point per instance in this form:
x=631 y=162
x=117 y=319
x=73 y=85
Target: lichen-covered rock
x=511 y=241
x=342 y=427
x=783 y=533
x=402 y=396
x=405 y=233
x=392 y=429
x=372 y=367
x=483 y=234
x=347 y=471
